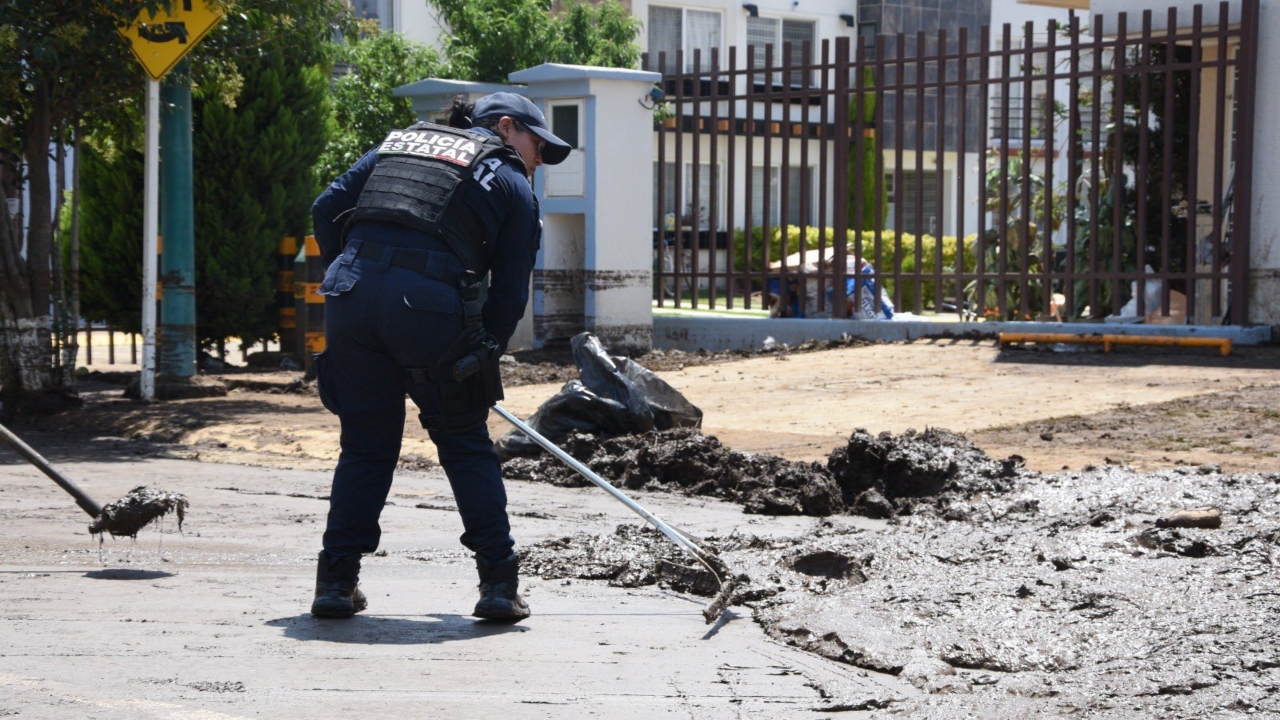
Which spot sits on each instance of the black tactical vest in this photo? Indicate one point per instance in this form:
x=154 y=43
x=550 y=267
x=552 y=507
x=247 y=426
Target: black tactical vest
x=415 y=183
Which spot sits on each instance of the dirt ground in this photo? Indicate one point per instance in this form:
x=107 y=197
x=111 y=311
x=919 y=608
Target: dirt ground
x=950 y=581
x=1147 y=408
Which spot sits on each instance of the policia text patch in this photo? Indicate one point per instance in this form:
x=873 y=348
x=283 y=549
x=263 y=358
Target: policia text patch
x=433 y=144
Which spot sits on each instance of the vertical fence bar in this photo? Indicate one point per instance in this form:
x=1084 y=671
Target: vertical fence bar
x=1095 y=175
x=1048 y=261
x=766 y=199
x=840 y=208
x=878 y=122
x=940 y=163
x=713 y=182
x=731 y=105
x=660 y=204
x=695 y=180
x=1142 y=183
x=824 y=149
x=1027 y=202
x=1219 y=154
x=1074 y=143
x=748 y=195
x=111 y=345
x=984 y=103
x=133 y=348
x=784 y=180
x=1117 y=176
x=682 y=76
x=1002 y=259
x=962 y=149
x=918 y=182
x=1166 y=175
x=806 y=185
x=899 y=127
x=856 y=172
x=88 y=343
x=1242 y=216
x=1193 y=159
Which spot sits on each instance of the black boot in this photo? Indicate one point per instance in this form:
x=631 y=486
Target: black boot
x=498 y=584
x=337 y=590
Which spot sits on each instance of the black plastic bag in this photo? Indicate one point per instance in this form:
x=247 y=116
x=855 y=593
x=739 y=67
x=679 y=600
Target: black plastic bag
x=614 y=396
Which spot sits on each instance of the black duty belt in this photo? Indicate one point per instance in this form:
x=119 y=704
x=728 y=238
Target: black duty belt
x=430 y=263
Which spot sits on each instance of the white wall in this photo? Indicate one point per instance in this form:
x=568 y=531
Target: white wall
x=416 y=20
x=1265 y=259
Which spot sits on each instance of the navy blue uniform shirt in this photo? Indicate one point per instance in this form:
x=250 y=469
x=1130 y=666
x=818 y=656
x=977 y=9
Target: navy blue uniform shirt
x=502 y=199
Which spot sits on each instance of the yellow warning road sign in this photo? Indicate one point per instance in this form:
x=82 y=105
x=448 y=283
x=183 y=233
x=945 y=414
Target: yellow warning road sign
x=160 y=41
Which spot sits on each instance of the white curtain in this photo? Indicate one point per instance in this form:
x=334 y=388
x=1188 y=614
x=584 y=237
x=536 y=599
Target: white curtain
x=703 y=34
x=664 y=36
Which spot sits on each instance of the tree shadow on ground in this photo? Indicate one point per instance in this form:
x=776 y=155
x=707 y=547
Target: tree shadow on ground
x=392 y=630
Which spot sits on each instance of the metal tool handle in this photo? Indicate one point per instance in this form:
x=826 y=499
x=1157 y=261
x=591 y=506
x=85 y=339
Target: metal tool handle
x=586 y=472
x=84 y=501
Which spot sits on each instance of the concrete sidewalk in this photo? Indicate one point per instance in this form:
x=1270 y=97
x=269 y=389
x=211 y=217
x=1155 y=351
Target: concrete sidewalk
x=213 y=623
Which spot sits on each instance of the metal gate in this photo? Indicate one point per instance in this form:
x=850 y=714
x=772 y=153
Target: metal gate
x=1069 y=172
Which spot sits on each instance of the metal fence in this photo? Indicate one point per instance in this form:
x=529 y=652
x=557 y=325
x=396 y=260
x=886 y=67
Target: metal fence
x=1073 y=172
x=101 y=344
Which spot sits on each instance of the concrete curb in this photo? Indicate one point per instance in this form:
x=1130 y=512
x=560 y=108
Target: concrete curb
x=714 y=334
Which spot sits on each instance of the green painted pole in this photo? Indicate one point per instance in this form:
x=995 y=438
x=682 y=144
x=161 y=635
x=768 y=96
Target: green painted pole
x=177 y=227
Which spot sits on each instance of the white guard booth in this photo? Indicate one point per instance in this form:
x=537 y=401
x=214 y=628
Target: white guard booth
x=594 y=271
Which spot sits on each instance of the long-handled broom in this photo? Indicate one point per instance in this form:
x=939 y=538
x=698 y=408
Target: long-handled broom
x=729 y=580
x=125 y=516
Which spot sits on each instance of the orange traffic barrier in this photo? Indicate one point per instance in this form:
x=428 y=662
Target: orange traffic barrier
x=1109 y=341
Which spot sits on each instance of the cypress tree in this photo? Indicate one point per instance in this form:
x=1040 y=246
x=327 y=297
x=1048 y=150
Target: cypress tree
x=254 y=184
x=111 y=235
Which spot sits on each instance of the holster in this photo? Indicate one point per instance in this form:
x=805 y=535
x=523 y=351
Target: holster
x=457 y=394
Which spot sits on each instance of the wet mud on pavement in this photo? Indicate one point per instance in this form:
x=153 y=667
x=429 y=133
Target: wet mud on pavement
x=995 y=591
x=126 y=516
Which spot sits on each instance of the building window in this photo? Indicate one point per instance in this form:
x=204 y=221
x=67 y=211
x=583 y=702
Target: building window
x=762 y=31
x=381 y=10
x=1014 y=130
x=918 y=196
x=799 y=197
x=565 y=123
x=680 y=29
x=666 y=213
x=568 y=179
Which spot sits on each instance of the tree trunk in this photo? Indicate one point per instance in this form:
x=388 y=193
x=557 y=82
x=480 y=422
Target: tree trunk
x=62 y=376
x=71 y=350
x=26 y=343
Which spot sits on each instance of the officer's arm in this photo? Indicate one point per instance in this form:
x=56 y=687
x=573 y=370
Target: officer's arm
x=517 y=248
x=328 y=211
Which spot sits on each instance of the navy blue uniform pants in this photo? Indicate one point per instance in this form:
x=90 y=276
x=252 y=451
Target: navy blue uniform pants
x=380 y=320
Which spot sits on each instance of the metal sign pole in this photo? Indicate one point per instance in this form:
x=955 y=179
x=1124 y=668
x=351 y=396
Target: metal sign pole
x=150 y=228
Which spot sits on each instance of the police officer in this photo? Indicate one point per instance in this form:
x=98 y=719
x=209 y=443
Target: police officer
x=408 y=233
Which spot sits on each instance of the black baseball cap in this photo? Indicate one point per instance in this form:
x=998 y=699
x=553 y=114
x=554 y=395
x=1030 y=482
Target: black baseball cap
x=519 y=107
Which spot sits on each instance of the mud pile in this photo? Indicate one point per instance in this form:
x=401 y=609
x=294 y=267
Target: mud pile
x=686 y=461
x=885 y=476
x=126 y=516
x=933 y=471
x=632 y=556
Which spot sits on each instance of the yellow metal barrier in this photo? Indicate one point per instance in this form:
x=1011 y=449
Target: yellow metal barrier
x=1109 y=341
